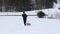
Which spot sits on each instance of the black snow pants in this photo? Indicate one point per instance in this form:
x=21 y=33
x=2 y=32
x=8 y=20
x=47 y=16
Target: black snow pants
x=24 y=18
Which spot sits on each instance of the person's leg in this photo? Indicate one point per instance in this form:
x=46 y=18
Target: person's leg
x=25 y=19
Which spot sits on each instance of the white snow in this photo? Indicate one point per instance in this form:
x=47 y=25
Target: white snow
x=14 y=24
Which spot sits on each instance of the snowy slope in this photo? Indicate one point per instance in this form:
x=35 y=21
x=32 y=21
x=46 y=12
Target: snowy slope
x=14 y=24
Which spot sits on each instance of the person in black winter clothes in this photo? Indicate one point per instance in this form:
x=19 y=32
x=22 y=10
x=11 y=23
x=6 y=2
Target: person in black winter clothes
x=24 y=18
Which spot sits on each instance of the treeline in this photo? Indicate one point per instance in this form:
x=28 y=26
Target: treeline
x=25 y=5
x=20 y=5
x=40 y=4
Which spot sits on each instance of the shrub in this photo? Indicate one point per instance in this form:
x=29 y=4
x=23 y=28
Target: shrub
x=41 y=14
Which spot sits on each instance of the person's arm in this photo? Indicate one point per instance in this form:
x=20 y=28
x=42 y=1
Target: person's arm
x=26 y=15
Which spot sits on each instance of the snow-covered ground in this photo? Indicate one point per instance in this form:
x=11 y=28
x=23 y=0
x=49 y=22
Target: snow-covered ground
x=14 y=24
